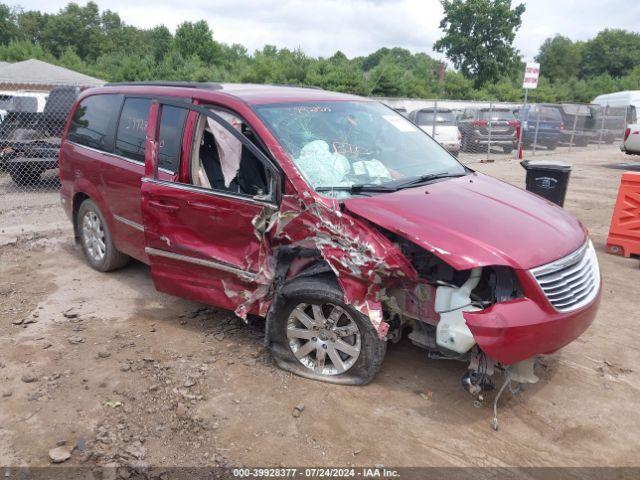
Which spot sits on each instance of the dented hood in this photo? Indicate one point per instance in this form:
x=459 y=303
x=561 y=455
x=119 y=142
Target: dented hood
x=474 y=221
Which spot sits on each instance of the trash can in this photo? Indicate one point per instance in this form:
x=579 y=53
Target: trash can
x=548 y=179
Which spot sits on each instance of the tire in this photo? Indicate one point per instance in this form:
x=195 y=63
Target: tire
x=95 y=238
x=304 y=295
x=552 y=146
x=24 y=174
x=507 y=150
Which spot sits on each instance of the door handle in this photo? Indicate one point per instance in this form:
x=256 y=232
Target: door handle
x=167 y=207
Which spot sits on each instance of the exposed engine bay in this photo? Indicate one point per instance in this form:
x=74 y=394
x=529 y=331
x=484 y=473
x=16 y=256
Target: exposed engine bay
x=431 y=311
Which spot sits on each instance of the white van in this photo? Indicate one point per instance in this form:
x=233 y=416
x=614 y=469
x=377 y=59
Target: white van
x=628 y=99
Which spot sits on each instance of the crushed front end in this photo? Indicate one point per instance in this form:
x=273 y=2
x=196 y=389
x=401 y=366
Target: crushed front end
x=493 y=317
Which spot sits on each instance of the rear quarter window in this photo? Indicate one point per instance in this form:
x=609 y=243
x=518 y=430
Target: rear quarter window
x=496 y=115
x=93 y=121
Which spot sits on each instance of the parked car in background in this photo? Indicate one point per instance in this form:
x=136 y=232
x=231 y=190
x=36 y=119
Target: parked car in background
x=10 y=100
x=631 y=141
x=441 y=124
x=30 y=141
x=628 y=100
x=310 y=208
x=540 y=124
x=401 y=110
x=610 y=122
x=579 y=123
x=478 y=126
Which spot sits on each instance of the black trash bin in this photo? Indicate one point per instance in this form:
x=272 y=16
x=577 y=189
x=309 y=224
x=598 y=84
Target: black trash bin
x=548 y=179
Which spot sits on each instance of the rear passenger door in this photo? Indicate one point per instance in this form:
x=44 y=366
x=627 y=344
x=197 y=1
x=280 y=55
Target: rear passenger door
x=199 y=232
x=122 y=173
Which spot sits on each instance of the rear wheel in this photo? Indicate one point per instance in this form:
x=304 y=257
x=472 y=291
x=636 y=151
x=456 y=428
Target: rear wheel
x=552 y=146
x=314 y=334
x=96 y=240
x=507 y=150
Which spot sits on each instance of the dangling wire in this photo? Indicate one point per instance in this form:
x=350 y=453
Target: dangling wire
x=507 y=381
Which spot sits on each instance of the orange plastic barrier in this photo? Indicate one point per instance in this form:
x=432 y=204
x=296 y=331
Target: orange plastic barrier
x=624 y=233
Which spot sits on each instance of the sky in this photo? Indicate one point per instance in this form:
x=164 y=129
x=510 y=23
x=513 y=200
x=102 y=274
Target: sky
x=357 y=27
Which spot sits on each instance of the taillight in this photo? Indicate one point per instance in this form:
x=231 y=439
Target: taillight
x=561 y=125
x=480 y=123
x=627 y=132
x=459 y=135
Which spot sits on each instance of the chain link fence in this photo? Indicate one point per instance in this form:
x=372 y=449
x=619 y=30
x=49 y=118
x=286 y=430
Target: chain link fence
x=486 y=131
x=32 y=117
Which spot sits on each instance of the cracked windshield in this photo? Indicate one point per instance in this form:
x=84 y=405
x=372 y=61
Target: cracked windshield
x=344 y=148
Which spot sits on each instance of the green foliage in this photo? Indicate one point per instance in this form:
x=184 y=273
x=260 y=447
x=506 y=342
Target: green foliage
x=8 y=27
x=196 y=39
x=615 y=52
x=560 y=58
x=478 y=40
x=479 y=36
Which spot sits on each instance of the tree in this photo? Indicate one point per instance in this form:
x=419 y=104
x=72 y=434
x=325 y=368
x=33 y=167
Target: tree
x=31 y=25
x=74 y=26
x=560 y=58
x=615 y=52
x=196 y=39
x=8 y=30
x=386 y=79
x=479 y=37
x=160 y=39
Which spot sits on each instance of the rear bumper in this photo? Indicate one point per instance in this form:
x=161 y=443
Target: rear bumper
x=505 y=140
x=513 y=331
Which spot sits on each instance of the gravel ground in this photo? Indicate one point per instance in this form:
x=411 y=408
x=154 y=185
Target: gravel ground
x=113 y=373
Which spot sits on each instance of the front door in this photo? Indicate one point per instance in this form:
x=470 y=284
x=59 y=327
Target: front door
x=199 y=233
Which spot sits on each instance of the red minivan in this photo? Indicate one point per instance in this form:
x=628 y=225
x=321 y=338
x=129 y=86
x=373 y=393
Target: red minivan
x=334 y=217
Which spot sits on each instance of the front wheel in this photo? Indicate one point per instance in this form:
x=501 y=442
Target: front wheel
x=314 y=334
x=95 y=238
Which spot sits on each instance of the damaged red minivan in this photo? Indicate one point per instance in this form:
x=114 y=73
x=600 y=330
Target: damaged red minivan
x=332 y=216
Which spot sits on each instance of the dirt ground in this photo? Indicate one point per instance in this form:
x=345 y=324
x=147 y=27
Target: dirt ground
x=126 y=375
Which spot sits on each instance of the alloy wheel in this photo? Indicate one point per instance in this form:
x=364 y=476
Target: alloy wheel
x=324 y=338
x=93 y=237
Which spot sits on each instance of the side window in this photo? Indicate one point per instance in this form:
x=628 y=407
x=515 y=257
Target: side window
x=92 y=121
x=132 y=128
x=170 y=137
x=221 y=162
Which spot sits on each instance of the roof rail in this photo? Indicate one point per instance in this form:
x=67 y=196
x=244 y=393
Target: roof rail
x=161 y=83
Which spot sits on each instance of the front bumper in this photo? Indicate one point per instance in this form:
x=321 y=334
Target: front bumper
x=519 y=329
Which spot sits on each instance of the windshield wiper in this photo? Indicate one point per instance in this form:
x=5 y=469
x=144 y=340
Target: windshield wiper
x=357 y=188
x=423 y=179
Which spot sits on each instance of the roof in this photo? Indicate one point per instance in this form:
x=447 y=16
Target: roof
x=249 y=93
x=34 y=71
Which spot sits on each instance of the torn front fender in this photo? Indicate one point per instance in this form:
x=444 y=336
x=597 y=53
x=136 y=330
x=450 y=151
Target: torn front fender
x=362 y=259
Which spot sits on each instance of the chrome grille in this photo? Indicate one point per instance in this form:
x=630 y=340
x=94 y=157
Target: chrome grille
x=570 y=282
